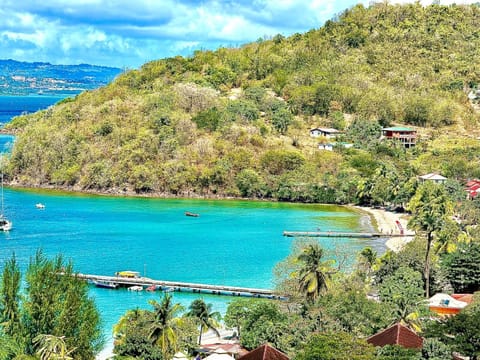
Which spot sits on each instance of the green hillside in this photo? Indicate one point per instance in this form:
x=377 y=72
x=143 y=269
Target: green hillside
x=235 y=122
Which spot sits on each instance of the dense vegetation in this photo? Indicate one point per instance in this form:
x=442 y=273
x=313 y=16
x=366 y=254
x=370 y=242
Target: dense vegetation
x=50 y=316
x=235 y=122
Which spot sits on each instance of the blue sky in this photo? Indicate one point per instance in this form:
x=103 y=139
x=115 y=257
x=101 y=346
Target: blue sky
x=128 y=33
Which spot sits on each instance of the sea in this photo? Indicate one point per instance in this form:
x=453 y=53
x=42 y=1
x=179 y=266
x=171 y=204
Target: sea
x=14 y=105
x=232 y=242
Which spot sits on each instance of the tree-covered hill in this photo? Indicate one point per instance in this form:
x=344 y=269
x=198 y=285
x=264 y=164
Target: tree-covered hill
x=235 y=122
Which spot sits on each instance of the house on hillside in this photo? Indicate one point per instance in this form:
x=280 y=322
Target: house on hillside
x=403 y=134
x=397 y=334
x=436 y=178
x=326 y=132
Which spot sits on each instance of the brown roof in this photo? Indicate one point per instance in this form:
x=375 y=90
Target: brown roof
x=265 y=352
x=396 y=334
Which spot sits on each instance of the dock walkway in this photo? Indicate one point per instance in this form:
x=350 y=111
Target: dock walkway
x=341 y=234
x=184 y=286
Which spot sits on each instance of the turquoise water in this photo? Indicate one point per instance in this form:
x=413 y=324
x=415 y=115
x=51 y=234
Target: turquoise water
x=232 y=242
x=6 y=143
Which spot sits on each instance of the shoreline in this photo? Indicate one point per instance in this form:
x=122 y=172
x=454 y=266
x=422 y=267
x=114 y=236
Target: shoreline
x=385 y=221
x=382 y=220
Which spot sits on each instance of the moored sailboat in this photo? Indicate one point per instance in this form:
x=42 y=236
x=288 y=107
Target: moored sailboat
x=5 y=224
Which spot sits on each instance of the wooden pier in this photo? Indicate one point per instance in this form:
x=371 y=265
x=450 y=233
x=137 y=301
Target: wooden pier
x=184 y=286
x=341 y=234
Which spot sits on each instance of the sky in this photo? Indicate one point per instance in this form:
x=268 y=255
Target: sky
x=128 y=33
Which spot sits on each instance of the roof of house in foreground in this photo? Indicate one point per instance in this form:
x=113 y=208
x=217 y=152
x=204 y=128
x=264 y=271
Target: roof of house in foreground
x=396 y=334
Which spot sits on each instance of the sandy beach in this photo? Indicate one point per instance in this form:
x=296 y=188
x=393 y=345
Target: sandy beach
x=386 y=222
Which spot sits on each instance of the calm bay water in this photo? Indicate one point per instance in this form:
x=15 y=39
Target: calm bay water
x=232 y=242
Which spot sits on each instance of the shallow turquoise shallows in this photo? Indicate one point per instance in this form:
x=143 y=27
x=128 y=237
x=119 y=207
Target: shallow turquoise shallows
x=231 y=242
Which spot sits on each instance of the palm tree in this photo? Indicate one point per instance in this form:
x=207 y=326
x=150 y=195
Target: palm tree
x=366 y=260
x=314 y=272
x=430 y=207
x=51 y=347
x=120 y=329
x=162 y=325
x=207 y=319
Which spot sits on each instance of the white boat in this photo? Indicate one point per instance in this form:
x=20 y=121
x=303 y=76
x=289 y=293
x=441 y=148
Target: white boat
x=135 y=288
x=105 y=284
x=40 y=206
x=5 y=224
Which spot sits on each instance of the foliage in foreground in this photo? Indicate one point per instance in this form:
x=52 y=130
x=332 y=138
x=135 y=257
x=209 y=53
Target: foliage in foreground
x=52 y=316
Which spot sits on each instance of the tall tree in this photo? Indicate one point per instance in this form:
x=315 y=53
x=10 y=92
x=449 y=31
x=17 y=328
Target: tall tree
x=335 y=345
x=236 y=312
x=430 y=208
x=403 y=292
x=57 y=303
x=162 y=325
x=314 y=272
x=206 y=318
x=10 y=298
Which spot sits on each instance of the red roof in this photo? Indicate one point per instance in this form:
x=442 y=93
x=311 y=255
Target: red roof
x=473 y=187
x=396 y=334
x=472 y=182
x=264 y=352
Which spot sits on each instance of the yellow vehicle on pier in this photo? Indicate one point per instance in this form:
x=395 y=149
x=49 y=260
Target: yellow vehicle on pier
x=128 y=274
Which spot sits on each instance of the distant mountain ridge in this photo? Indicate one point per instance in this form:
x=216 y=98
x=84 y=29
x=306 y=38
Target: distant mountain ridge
x=22 y=78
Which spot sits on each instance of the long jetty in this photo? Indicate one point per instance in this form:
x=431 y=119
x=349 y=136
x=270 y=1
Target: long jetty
x=185 y=286
x=341 y=234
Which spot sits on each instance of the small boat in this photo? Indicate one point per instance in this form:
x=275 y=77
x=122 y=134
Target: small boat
x=152 y=288
x=188 y=213
x=135 y=288
x=40 y=206
x=105 y=284
x=5 y=224
x=168 y=289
